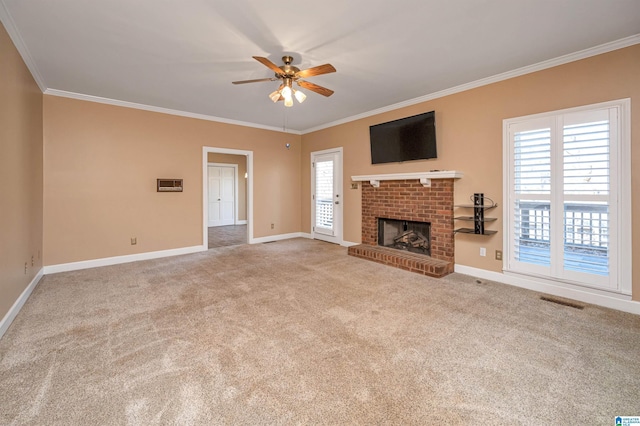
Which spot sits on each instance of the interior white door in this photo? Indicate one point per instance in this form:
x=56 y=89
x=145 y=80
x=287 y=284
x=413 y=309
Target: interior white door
x=221 y=195
x=326 y=195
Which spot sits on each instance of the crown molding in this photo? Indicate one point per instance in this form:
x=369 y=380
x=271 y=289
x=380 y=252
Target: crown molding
x=16 y=38
x=126 y=104
x=561 y=60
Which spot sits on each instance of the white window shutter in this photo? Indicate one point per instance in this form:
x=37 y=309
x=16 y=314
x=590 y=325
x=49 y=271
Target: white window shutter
x=563 y=220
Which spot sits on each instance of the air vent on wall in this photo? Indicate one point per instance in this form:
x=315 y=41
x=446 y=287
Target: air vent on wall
x=169 y=185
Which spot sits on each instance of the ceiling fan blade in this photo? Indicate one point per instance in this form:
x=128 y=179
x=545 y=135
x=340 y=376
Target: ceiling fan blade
x=254 y=81
x=320 y=69
x=267 y=63
x=315 y=88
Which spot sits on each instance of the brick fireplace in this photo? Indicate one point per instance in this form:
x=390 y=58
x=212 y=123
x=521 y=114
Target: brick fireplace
x=428 y=200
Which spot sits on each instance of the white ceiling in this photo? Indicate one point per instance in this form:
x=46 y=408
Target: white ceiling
x=183 y=55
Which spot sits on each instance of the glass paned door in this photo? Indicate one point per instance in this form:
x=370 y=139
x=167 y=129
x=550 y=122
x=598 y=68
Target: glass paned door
x=326 y=214
x=324 y=197
x=530 y=215
x=587 y=197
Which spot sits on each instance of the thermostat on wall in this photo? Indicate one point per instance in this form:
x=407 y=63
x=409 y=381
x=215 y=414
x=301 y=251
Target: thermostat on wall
x=169 y=185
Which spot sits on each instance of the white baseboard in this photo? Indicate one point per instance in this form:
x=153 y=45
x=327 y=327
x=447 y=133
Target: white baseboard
x=293 y=235
x=343 y=243
x=11 y=314
x=107 y=261
x=278 y=237
x=620 y=303
x=348 y=244
x=241 y=222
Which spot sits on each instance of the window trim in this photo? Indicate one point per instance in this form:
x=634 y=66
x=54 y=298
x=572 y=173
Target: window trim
x=620 y=174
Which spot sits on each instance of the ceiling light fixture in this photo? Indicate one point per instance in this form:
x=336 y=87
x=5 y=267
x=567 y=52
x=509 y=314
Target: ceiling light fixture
x=288 y=74
x=299 y=96
x=286 y=92
x=275 y=96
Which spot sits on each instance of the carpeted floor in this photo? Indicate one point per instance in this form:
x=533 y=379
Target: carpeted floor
x=224 y=236
x=297 y=332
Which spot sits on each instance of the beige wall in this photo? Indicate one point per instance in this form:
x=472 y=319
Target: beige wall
x=20 y=174
x=469 y=132
x=241 y=162
x=101 y=164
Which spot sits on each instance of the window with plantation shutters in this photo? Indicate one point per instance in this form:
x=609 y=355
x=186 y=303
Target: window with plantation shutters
x=586 y=142
x=532 y=195
x=564 y=182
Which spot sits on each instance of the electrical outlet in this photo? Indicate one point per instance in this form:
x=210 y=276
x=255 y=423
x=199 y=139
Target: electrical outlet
x=25 y=268
x=134 y=241
x=273 y=225
x=498 y=254
x=354 y=186
x=483 y=251
x=32 y=261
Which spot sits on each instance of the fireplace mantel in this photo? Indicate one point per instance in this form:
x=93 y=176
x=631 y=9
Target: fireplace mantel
x=423 y=177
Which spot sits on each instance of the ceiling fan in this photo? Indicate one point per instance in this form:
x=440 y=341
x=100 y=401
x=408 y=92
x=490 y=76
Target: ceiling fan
x=290 y=74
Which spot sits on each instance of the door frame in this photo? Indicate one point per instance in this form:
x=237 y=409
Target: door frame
x=340 y=217
x=235 y=187
x=205 y=190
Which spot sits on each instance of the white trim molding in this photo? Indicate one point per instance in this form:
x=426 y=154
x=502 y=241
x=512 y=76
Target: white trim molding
x=21 y=46
x=343 y=243
x=306 y=235
x=152 y=108
x=349 y=244
x=423 y=177
x=205 y=193
x=17 y=305
x=8 y=22
x=605 y=299
x=278 y=237
x=116 y=260
x=561 y=60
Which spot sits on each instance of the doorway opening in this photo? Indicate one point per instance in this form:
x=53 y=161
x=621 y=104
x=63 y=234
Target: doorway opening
x=227 y=197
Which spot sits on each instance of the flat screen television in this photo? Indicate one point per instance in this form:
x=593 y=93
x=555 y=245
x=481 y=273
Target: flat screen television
x=406 y=139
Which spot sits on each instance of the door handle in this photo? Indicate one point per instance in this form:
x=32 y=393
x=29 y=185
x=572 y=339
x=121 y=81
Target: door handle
x=218 y=199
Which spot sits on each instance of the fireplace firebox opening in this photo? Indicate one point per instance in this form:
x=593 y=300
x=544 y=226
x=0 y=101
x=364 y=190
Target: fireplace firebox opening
x=405 y=235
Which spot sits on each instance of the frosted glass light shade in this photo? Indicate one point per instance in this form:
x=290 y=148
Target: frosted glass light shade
x=299 y=96
x=275 y=96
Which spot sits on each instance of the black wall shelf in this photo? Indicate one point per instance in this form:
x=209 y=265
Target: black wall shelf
x=478 y=219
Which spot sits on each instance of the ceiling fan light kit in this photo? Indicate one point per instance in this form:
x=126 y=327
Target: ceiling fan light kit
x=299 y=95
x=288 y=73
